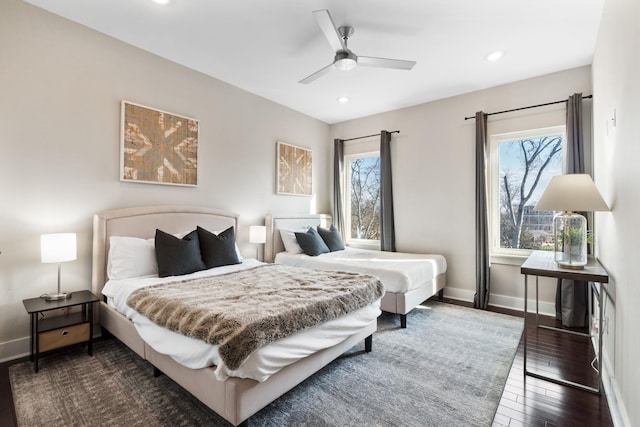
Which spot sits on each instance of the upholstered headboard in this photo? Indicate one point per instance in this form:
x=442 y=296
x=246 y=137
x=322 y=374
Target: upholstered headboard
x=274 y=223
x=142 y=222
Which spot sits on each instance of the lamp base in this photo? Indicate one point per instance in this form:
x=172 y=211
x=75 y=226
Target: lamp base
x=57 y=296
x=570 y=266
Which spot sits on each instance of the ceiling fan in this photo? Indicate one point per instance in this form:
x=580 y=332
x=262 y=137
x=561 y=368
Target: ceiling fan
x=345 y=59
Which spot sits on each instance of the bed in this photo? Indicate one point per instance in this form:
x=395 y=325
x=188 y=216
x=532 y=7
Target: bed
x=409 y=279
x=235 y=398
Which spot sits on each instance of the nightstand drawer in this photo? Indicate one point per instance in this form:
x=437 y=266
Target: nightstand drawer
x=64 y=336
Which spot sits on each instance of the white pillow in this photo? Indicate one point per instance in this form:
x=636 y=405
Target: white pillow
x=289 y=240
x=131 y=257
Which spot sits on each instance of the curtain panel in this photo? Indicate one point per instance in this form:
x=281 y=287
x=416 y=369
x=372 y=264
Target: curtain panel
x=338 y=171
x=387 y=225
x=572 y=295
x=483 y=262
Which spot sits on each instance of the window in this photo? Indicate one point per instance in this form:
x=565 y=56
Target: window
x=521 y=166
x=362 y=210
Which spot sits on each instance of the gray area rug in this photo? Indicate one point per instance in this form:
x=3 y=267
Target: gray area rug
x=448 y=368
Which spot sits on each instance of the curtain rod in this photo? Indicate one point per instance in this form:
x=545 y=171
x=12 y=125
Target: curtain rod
x=526 y=108
x=368 y=136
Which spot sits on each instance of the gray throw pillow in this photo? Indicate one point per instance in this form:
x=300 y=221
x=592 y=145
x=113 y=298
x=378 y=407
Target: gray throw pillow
x=332 y=238
x=311 y=242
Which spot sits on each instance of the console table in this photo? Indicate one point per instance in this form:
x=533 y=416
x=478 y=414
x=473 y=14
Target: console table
x=541 y=263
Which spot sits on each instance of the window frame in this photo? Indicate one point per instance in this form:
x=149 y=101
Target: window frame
x=510 y=255
x=350 y=241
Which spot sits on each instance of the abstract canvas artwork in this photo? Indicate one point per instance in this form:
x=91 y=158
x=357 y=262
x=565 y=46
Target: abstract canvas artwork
x=294 y=170
x=158 y=147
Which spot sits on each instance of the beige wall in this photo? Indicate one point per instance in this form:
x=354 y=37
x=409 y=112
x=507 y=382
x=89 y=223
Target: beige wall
x=616 y=71
x=434 y=172
x=60 y=90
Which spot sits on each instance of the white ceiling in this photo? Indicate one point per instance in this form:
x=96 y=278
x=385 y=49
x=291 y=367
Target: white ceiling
x=267 y=46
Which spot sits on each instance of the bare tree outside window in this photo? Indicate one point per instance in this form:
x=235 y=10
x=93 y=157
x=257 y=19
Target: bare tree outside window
x=525 y=168
x=365 y=198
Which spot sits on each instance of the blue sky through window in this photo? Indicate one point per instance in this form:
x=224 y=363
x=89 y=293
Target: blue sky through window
x=511 y=161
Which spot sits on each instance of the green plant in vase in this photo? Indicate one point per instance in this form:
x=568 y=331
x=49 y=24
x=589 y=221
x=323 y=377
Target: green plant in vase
x=571 y=240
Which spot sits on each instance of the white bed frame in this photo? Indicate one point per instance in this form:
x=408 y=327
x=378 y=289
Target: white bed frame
x=398 y=303
x=234 y=399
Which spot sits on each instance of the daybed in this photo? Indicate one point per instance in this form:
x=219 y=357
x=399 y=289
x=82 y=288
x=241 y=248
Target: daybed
x=409 y=279
x=233 y=398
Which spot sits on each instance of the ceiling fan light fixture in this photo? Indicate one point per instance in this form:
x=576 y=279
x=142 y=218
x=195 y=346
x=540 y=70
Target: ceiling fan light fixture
x=345 y=60
x=345 y=64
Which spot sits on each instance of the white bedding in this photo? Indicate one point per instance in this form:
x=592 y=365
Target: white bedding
x=264 y=362
x=398 y=272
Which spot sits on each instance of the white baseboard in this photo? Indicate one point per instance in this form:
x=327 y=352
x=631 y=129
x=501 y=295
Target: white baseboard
x=503 y=301
x=619 y=414
x=513 y=303
x=14 y=349
x=459 y=294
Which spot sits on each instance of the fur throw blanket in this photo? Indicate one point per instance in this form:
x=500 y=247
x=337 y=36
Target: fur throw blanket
x=244 y=310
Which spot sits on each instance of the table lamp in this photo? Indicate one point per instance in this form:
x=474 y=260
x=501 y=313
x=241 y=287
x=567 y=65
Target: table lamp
x=571 y=193
x=257 y=235
x=59 y=247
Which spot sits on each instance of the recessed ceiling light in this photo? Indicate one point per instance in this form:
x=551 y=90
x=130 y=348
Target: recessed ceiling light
x=162 y=1
x=494 y=56
x=343 y=99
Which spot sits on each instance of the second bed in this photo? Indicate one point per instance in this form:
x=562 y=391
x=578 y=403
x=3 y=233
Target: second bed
x=409 y=279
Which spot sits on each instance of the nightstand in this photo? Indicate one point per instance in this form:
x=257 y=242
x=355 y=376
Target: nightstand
x=50 y=333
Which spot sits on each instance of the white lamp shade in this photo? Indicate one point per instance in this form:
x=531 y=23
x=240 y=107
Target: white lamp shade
x=572 y=192
x=257 y=234
x=59 y=247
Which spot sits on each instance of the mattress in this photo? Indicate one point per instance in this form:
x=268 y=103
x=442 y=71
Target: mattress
x=399 y=272
x=262 y=363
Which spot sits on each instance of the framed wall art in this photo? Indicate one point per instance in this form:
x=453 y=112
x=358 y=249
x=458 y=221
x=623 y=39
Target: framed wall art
x=294 y=170
x=158 y=147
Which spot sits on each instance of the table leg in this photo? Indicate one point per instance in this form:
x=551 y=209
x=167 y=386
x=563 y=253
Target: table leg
x=31 y=332
x=90 y=346
x=526 y=280
x=37 y=343
x=600 y=321
x=537 y=303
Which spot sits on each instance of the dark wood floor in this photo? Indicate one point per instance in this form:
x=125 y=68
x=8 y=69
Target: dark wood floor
x=529 y=401
x=526 y=401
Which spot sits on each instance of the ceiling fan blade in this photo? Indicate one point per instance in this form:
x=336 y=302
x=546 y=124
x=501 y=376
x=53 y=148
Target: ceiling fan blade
x=323 y=17
x=321 y=72
x=398 y=64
